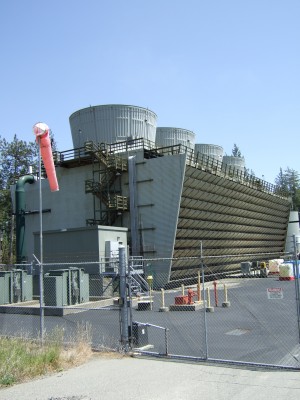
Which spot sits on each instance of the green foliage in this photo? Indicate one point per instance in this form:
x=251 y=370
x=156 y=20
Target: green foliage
x=53 y=142
x=236 y=152
x=20 y=359
x=23 y=358
x=15 y=159
x=289 y=181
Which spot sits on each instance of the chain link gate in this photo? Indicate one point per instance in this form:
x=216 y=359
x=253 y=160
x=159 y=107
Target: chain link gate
x=249 y=319
x=259 y=326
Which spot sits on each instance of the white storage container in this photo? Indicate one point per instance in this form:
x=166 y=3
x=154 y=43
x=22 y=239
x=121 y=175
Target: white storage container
x=274 y=265
x=286 y=272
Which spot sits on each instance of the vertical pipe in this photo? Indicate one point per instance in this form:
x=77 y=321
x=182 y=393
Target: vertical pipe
x=11 y=236
x=123 y=296
x=208 y=297
x=162 y=298
x=20 y=217
x=150 y=295
x=216 y=293
x=135 y=245
x=225 y=294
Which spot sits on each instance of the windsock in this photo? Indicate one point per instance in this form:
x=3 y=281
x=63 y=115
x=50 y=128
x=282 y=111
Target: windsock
x=41 y=132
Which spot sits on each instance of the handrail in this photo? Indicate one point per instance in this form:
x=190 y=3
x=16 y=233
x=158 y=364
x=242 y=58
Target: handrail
x=197 y=160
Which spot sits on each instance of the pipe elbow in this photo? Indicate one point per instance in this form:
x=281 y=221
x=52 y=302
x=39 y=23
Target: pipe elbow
x=22 y=181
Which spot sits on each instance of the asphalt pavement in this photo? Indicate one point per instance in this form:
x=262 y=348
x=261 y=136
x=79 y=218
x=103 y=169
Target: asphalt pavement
x=129 y=378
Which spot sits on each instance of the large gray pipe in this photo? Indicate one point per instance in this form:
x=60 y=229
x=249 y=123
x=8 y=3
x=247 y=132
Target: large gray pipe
x=20 y=217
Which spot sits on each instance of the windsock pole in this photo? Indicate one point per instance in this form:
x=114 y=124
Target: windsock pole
x=41 y=131
x=41 y=280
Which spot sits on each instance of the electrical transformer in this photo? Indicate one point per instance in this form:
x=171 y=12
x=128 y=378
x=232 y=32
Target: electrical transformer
x=65 y=287
x=15 y=286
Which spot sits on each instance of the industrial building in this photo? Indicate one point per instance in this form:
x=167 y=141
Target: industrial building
x=158 y=190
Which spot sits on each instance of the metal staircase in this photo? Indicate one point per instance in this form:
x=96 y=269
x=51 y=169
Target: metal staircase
x=103 y=185
x=135 y=272
x=138 y=284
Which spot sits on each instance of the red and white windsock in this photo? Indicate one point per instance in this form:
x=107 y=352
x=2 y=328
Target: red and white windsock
x=41 y=132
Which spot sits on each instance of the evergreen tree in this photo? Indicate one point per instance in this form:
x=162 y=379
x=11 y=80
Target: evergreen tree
x=53 y=142
x=280 y=180
x=289 y=181
x=236 y=152
x=15 y=159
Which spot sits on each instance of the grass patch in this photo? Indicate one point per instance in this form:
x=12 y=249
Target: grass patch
x=22 y=359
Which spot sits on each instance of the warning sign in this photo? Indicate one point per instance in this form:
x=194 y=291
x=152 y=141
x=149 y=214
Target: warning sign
x=275 y=293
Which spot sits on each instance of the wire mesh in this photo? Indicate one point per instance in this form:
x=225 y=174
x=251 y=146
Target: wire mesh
x=246 y=315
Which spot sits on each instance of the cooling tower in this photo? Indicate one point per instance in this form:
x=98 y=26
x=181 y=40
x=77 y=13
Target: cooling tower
x=211 y=150
x=112 y=123
x=238 y=163
x=173 y=136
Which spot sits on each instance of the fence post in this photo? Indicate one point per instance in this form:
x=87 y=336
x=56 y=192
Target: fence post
x=42 y=301
x=123 y=298
x=42 y=312
x=216 y=293
x=199 y=288
x=204 y=301
x=296 y=273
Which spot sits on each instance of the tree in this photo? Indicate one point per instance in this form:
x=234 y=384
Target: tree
x=53 y=142
x=236 y=152
x=15 y=159
x=280 y=180
x=289 y=182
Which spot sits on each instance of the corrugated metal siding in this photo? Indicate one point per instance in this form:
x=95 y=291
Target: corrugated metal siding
x=112 y=123
x=166 y=136
x=157 y=203
x=210 y=150
x=237 y=162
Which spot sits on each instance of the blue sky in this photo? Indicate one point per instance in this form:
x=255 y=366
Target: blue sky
x=226 y=69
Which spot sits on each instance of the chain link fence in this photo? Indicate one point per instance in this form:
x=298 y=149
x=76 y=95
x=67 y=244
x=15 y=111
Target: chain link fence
x=249 y=315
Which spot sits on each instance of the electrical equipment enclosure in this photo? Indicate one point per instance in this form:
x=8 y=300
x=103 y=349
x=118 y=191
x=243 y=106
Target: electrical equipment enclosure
x=5 y=287
x=15 y=286
x=111 y=256
x=64 y=287
x=246 y=267
x=140 y=334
